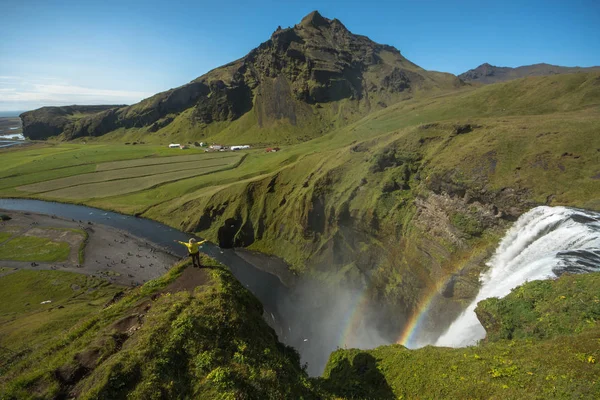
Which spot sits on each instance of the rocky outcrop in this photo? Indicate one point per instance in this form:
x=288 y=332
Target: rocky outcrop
x=289 y=78
x=487 y=73
x=45 y=122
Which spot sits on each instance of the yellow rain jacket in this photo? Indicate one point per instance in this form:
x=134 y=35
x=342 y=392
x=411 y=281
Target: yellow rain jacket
x=192 y=247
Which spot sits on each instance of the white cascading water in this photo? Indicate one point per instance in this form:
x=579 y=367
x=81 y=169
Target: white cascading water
x=544 y=243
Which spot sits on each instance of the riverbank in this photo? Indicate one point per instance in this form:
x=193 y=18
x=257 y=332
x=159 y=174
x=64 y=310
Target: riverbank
x=114 y=255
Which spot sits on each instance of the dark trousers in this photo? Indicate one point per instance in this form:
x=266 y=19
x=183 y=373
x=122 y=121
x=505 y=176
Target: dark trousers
x=195 y=258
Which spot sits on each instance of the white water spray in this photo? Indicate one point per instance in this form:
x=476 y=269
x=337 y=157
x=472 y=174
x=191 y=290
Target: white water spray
x=544 y=243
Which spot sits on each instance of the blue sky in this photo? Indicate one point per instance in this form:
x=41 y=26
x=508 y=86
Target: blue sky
x=84 y=52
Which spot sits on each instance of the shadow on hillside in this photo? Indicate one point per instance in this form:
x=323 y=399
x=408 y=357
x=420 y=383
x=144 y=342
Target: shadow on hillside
x=359 y=380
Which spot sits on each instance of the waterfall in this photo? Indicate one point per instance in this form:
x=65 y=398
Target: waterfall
x=544 y=243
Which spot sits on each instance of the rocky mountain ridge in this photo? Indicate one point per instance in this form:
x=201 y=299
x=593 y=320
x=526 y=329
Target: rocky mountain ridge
x=487 y=73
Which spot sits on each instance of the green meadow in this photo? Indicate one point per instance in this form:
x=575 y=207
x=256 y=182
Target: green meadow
x=27 y=325
x=31 y=248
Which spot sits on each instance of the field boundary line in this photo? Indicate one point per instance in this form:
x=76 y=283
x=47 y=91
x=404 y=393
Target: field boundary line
x=146 y=165
x=113 y=180
x=82 y=201
x=192 y=189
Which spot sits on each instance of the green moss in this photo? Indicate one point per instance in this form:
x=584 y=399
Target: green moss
x=467 y=224
x=543 y=309
x=5 y=236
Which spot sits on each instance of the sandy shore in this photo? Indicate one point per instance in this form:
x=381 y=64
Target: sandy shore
x=109 y=253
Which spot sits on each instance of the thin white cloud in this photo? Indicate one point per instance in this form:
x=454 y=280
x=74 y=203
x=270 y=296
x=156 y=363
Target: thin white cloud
x=83 y=91
x=19 y=93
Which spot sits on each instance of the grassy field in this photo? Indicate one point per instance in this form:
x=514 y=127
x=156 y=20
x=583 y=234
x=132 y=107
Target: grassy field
x=78 y=172
x=26 y=324
x=130 y=172
x=40 y=244
x=43 y=157
x=117 y=187
x=5 y=236
x=31 y=248
x=154 y=161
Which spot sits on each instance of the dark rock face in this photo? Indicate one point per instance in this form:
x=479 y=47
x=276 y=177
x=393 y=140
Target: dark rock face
x=51 y=121
x=316 y=62
x=225 y=103
x=487 y=73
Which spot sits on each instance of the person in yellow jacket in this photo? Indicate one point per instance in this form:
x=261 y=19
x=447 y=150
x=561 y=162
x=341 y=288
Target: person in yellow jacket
x=193 y=251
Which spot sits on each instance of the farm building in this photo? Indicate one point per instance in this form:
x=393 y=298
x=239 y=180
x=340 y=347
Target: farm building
x=183 y=147
x=215 y=147
x=242 y=147
x=272 y=149
x=174 y=145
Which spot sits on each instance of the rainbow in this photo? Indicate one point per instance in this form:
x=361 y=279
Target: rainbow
x=414 y=323
x=358 y=309
x=353 y=320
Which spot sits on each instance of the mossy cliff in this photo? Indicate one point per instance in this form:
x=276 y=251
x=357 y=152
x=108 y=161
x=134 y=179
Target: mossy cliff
x=51 y=121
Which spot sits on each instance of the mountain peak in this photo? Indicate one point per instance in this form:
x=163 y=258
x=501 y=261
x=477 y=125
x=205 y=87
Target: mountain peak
x=314 y=19
x=298 y=74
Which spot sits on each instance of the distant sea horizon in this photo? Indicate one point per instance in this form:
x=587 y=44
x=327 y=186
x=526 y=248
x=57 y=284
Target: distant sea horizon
x=4 y=114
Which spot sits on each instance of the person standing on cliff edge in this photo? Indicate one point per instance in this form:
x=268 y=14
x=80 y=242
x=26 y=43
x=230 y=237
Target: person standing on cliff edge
x=193 y=251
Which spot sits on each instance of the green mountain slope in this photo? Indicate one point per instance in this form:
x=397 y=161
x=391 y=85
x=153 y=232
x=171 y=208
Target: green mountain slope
x=302 y=82
x=487 y=73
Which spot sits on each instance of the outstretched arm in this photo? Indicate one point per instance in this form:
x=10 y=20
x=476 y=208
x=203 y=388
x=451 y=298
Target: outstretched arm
x=203 y=241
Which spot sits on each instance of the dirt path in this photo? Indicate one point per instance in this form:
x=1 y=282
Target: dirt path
x=109 y=253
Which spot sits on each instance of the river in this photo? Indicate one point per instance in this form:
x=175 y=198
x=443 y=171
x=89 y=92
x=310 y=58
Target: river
x=9 y=143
